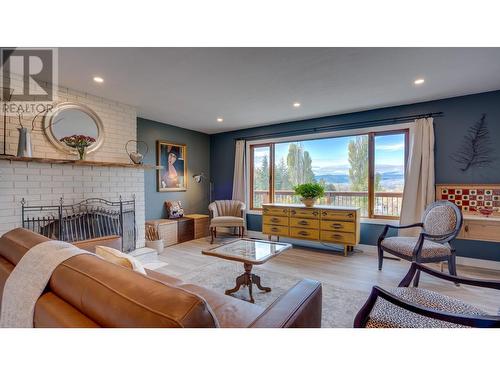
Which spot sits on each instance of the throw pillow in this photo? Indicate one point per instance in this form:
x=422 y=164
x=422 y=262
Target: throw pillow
x=117 y=257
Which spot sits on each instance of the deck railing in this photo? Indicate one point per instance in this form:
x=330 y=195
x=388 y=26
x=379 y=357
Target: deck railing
x=387 y=203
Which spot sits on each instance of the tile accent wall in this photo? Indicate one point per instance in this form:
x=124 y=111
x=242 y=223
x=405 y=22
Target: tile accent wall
x=42 y=184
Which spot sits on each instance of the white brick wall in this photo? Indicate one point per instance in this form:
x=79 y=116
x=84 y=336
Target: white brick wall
x=45 y=184
x=40 y=183
x=119 y=121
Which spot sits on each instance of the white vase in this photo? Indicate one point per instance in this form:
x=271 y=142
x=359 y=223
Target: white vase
x=24 y=144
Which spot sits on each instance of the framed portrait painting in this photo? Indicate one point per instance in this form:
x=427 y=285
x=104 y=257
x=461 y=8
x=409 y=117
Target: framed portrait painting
x=172 y=158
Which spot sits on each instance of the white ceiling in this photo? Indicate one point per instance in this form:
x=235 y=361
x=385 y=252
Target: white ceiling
x=191 y=87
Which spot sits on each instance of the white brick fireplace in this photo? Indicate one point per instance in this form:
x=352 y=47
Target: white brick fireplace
x=45 y=183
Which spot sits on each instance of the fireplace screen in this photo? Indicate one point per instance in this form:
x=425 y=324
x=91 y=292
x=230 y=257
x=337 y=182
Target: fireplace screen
x=90 y=218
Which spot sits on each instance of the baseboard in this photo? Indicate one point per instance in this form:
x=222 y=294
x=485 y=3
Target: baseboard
x=472 y=262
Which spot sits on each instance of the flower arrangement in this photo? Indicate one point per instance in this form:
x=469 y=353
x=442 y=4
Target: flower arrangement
x=79 y=142
x=309 y=193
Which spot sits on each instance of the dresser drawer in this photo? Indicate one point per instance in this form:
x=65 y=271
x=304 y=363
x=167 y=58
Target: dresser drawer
x=275 y=230
x=338 y=237
x=306 y=213
x=304 y=223
x=275 y=220
x=481 y=230
x=340 y=226
x=276 y=211
x=307 y=234
x=338 y=215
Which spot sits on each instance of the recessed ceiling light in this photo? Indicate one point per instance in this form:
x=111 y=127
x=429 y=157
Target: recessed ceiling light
x=98 y=80
x=220 y=119
x=419 y=81
x=296 y=104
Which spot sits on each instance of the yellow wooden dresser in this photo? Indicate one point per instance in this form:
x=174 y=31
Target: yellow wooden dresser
x=332 y=224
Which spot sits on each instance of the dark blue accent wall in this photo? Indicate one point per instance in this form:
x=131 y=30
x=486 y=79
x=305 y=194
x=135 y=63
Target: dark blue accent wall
x=195 y=199
x=458 y=114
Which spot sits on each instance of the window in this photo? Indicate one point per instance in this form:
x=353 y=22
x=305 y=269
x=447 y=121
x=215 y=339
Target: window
x=365 y=170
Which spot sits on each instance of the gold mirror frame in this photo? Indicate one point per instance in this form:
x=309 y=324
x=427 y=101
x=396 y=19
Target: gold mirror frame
x=49 y=119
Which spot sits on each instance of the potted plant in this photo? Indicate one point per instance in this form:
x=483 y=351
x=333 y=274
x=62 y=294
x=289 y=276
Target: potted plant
x=79 y=142
x=309 y=193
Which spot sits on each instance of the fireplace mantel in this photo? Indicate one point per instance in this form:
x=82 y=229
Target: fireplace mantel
x=78 y=162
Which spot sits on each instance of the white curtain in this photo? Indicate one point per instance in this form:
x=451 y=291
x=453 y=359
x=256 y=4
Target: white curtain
x=419 y=177
x=239 y=177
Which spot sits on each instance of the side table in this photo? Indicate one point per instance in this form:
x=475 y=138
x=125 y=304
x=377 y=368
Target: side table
x=201 y=225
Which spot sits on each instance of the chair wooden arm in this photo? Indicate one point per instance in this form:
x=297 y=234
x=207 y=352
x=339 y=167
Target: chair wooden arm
x=387 y=226
x=491 y=284
x=477 y=321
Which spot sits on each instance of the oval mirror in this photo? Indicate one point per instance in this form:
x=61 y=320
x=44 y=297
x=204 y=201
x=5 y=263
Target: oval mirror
x=68 y=119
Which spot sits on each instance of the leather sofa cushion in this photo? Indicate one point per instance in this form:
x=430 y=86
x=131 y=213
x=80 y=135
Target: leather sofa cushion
x=170 y=280
x=231 y=312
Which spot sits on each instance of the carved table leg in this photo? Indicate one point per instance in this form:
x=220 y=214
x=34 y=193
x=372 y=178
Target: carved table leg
x=247 y=279
x=256 y=281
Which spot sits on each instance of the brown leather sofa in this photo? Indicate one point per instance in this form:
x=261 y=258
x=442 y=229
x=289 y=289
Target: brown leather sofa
x=87 y=291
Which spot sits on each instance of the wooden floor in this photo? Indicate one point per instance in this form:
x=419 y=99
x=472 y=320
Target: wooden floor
x=358 y=271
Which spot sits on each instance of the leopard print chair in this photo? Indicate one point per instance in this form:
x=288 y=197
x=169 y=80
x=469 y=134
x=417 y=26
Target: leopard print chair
x=441 y=223
x=410 y=307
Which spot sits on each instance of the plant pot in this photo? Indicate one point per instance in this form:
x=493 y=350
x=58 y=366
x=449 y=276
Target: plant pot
x=157 y=245
x=308 y=202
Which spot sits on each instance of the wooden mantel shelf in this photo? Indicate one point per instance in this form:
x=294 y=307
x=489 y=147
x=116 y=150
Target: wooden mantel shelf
x=78 y=162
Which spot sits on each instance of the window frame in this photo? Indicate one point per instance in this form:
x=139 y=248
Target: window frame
x=372 y=133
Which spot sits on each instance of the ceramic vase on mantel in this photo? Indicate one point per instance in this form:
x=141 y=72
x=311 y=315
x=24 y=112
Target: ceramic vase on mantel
x=24 y=149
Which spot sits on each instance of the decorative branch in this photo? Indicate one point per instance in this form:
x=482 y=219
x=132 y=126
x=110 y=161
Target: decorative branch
x=476 y=147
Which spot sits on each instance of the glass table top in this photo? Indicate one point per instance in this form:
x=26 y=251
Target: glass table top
x=248 y=250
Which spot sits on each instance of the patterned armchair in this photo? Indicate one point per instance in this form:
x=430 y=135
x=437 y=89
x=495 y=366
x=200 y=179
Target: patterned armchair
x=228 y=214
x=406 y=307
x=441 y=223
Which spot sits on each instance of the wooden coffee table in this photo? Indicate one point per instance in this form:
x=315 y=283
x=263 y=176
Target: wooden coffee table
x=250 y=253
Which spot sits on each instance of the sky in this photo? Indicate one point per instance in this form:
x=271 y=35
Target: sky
x=330 y=155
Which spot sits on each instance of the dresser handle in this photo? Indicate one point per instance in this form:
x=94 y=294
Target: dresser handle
x=323 y=213
x=350 y=215
x=337 y=236
x=274 y=229
x=285 y=211
x=466 y=228
x=275 y=220
x=303 y=233
x=303 y=222
x=315 y=213
x=336 y=226
x=293 y=212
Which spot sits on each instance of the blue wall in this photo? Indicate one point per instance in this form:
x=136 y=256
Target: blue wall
x=459 y=113
x=195 y=199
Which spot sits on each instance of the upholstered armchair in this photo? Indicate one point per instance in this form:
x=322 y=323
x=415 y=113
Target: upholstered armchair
x=441 y=223
x=407 y=307
x=227 y=214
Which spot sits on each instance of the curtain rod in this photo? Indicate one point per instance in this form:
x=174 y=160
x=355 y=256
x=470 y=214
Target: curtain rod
x=345 y=126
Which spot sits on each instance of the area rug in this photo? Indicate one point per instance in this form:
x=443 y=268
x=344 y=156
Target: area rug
x=339 y=305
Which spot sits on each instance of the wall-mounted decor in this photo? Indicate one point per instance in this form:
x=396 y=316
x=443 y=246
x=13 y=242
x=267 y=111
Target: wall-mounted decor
x=470 y=198
x=70 y=120
x=172 y=157
x=476 y=149
x=136 y=156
